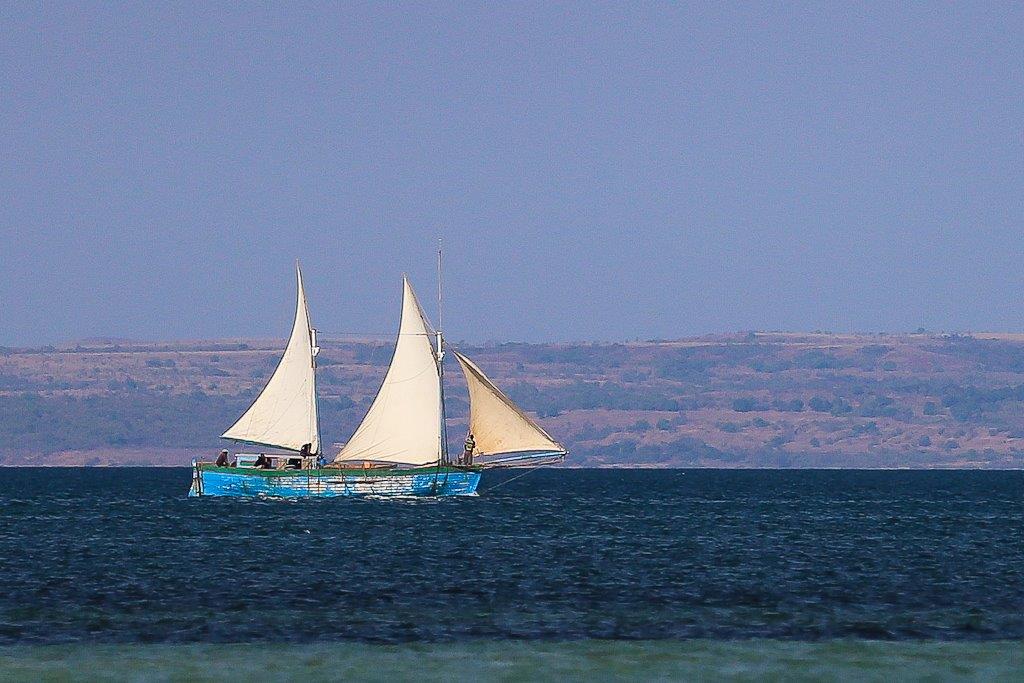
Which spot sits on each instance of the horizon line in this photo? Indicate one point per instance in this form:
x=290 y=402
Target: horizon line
x=358 y=337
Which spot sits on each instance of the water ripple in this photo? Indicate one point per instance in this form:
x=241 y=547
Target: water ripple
x=121 y=556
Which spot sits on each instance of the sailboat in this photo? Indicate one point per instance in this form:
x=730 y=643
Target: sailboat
x=399 y=449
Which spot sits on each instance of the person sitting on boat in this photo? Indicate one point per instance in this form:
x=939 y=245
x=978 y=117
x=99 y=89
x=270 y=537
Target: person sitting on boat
x=262 y=463
x=304 y=451
x=222 y=459
x=470 y=446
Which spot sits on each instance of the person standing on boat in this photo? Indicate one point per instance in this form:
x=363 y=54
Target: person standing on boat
x=470 y=446
x=222 y=459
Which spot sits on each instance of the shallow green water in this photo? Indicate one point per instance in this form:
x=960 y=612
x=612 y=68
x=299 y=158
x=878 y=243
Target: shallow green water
x=523 y=661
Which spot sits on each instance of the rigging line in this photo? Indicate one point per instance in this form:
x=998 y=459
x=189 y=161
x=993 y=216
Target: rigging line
x=509 y=481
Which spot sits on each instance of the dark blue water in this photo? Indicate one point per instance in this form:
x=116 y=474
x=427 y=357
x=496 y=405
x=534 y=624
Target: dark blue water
x=120 y=555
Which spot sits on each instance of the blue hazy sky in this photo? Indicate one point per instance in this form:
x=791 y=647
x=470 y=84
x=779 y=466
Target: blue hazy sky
x=597 y=171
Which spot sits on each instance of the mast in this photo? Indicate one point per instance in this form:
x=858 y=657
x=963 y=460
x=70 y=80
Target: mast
x=314 y=351
x=316 y=398
x=443 y=445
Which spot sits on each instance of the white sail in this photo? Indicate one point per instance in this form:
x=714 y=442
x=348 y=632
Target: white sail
x=284 y=414
x=498 y=426
x=403 y=424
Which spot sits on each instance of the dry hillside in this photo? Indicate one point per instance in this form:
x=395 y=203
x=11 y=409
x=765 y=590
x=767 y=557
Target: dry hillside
x=753 y=399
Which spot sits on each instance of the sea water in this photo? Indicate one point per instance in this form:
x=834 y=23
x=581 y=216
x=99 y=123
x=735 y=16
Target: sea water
x=577 y=568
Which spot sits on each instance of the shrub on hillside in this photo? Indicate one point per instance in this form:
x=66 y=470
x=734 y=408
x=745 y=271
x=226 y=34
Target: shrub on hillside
x=746 y=404
x=819 y=404
x=792 y=406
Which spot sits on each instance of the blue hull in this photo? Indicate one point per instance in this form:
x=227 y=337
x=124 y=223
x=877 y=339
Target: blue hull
x=325 y=484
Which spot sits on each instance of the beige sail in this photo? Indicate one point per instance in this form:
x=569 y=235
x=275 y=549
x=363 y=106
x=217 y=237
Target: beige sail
x=498 y=425
x=403 y=424
x=284 y=414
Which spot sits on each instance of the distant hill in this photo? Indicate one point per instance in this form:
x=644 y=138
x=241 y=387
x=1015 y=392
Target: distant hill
x=743 y=400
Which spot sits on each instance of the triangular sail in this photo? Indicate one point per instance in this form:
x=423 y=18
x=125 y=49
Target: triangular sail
x=498 y=426
x=284 y=415
x=403 y=424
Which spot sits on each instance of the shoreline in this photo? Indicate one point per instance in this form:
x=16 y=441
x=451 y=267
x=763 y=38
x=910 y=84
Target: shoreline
x=520 y=660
